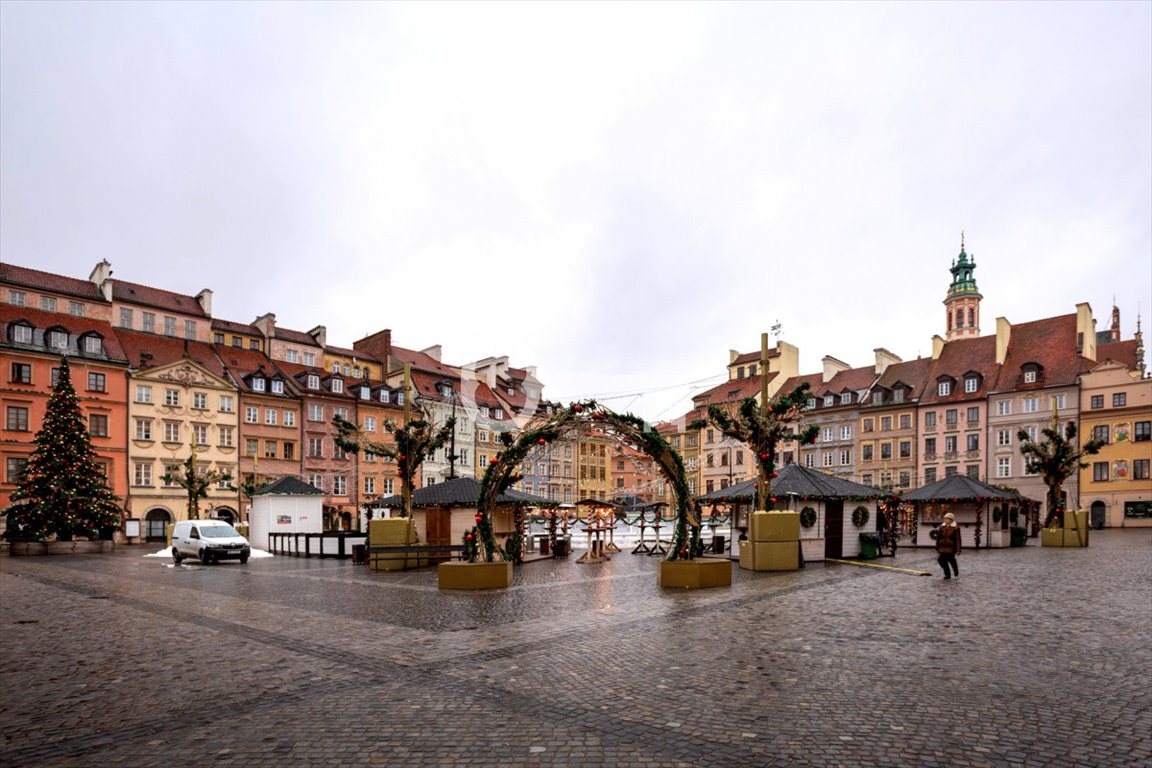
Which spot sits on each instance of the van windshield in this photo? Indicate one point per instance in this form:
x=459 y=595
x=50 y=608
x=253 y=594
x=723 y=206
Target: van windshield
x=217 y=531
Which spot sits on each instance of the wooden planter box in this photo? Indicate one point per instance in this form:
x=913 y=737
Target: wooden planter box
x=699 y=573
x=460 y=575
x=81 y=547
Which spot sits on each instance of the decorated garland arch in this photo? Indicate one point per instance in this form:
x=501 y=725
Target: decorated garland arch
x=587 y=415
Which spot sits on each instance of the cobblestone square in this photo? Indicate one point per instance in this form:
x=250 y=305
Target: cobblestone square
x=1033 y=657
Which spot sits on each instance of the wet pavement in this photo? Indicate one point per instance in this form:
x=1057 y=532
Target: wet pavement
x=1033 y=657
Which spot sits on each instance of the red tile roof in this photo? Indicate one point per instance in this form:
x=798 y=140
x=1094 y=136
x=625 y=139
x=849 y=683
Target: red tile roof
x=1050 y=343
x=1123 y=352
x=421 y=361
x=958 y=357
x=113 y=351
x=46 y=281
x=243 y=362
x=134 y=293
x=354 y=354
x=851 y=380
x=730 y=391
x=150 y=350
x=294 y=337
x=911 y=373
x=233 y=327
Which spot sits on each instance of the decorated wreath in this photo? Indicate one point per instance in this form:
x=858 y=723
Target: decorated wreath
x=996 y=514
x=860 y=516
x=807 y=517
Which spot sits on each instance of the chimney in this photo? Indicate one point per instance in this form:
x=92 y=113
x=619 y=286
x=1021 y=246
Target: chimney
x=1085 y=332
x=101 y=277
x=937 y=346
x=433 y=352
x=884 y=358
x=1003 y=336
x=205 y=299
x=266 y=324
x=832 y=366
x=319 y=334
x=378 y=345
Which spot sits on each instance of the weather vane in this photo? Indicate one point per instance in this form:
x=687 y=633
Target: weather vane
x=776 y=329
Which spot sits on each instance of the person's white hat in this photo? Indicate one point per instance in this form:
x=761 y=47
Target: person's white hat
x=949 y=516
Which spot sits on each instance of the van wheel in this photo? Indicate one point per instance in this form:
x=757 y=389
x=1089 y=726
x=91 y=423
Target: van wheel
x=243 y=559
x=176 y=555
x=206 y=557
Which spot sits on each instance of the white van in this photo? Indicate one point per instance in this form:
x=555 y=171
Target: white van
x=209 y=541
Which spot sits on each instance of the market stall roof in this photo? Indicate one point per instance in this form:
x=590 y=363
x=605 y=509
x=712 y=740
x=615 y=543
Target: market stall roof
x=960 y=488
x=596 y=503
x=460 y=492
x=804 y=483
x=288 y=486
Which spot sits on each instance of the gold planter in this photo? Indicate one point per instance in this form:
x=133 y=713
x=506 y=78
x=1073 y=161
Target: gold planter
x=460 y=575
x=699 y=573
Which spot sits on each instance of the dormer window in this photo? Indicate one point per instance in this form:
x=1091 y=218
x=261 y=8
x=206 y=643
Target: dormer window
x=878 y=397
x=898 y=395
x=511 y=391
x=846 y=398
x=257 y=384
x=971 y=384
x=93 y=345
x=277 y=387
x=829 y=400
x=21 y=333
x=313 y=381
x=399 y=398
x=338 y=386
x=498 y=414
x=1029 y=377
x=944 y=388
x=484 y=411
x=365 y=393
x=385 y=396
x=58 y=339
x=811 y=404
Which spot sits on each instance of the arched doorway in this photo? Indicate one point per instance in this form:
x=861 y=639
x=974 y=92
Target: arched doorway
x=577 y=418
x=224 y=513
x=1099 y=514
x=156 y=523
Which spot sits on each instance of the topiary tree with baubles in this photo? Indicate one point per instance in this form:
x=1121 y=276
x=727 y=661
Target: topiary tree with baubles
x=412 y=444
x=62 y=491
x=1055 y=459
x=762 y=428
x=194 y=482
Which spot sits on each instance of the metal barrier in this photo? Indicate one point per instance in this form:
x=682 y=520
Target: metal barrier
x=336 y=544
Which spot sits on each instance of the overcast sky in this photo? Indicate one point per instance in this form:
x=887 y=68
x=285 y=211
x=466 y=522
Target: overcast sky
x=615 y=193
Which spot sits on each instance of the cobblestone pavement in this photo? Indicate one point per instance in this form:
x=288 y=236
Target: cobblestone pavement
x=1034 y=657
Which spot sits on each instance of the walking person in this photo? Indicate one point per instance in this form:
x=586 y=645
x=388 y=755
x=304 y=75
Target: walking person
x=948 y=545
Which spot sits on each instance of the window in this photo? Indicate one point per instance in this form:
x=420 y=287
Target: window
x=169 y=326
x=973 y=415
x=58 y=339
x=383 y=395
x=929 y=475
x=868 y=425
x=310 y=358
x=277 y=387
x=315 y=412
x=254 y=345
x=190 y=329
x=200 y=400
x=289 y=418
x=143 y=429
x=143 y=393
x=370 y=486
x=226 y=403
x=971 y=384
x=269 y=449
x=21 y=373
x=251 y=445
x=1004 y=408
x=14 y=468
x=217 y=338
x=270 y=417
x=846 y=398
x=316 y=447
x=1100 y=471
x=1058 y=401
x=238 y=342
x=845 y=458
x=498 y=414
x=905 y=449
x=811 y=403
x=828 y=458
x=54 y=378
x=200 y=434
x=1101 y=432
x=257 y=384
x=227 y=438
x=76 y=309
x=867 y=452
x=1140 y=469
x=885 y=451
x=950 y=472
x=1031 y=433
x=98 y=425
x=314 y=381
x=1119 y=399
x=47 y=304
x=21 y=334
x=930 y=419
x=905 y=421
x=1142 y=431
x=338 y=386
x=845 y=432
x=944 y=388
x=1029 y=377
x=289 y=450
x=1004 y=466
x=172 y=397
x=829 y=400
x=17 y=298
x=142 y=473
x=951 y=417
x=1003 y=437
x=316 y=481
x=950 y=444
x=251 y=414
x=342 y=412
x=886 y=424
x=291 y=355
x=93 y=345
x=973 y=471
x=370 y=425
x=171 y=431
x=149 y=321
x=905 y=480
x=339 y=485
x=1097 y=401
x=973 y=442
x=1031 y=404
x=810 y=460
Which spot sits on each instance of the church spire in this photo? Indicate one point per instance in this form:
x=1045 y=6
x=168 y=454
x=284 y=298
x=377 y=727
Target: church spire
x=962 y=304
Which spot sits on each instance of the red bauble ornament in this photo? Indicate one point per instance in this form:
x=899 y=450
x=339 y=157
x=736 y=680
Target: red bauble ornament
x=773 y=499
x=542 y=441
x=764 y=456
x=577 y=408
x=774 y=475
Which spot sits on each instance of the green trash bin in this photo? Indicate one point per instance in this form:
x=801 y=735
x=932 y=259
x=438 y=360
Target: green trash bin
x=869 y=546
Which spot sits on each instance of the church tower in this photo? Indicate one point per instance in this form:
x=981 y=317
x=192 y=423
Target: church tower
x=962 y=305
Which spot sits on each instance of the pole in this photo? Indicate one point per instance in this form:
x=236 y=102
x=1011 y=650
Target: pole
x=763 y=482
x=405 y=490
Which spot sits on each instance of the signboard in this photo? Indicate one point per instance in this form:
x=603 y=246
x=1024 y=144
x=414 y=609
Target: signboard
x=132 y=527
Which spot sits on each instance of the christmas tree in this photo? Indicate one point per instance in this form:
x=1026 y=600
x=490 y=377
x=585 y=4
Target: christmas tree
x=62 y=491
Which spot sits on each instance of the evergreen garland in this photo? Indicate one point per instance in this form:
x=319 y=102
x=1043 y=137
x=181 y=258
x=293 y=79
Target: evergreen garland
x=61 y=491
